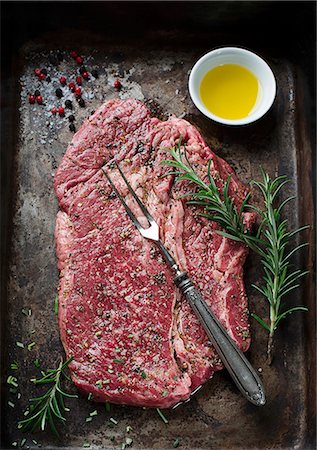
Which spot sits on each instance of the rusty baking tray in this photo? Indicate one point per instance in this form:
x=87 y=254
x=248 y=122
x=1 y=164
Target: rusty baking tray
x=151 y=47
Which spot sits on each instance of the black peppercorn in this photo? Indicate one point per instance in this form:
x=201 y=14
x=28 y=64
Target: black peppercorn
x=94 y=73
x=44 y=71
x=59 y=93
x=71 y=118
x=82 y=69
x=53 y=60
x=81 y=102
x=48 y=79
x=37 y=93
x=72 y=127
x=69 y=104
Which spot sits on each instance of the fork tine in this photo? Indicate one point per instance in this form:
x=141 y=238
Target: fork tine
x=128 y=210
x=143 y=208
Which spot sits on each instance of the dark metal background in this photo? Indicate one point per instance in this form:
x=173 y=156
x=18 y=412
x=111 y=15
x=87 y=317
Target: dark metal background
x=160 y=42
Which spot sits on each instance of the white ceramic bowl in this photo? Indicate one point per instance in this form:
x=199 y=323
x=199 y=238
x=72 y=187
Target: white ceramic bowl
x=242 y=57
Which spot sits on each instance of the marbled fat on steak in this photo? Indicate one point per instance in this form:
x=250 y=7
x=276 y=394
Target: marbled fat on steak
x=134 y=339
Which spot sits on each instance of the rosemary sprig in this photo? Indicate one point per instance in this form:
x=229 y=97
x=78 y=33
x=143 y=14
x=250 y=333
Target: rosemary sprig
x=270 y=242
x=279 y=278
x=48 y=408
x=220 y=208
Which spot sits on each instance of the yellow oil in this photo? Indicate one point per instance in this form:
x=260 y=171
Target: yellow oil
x=229 y=91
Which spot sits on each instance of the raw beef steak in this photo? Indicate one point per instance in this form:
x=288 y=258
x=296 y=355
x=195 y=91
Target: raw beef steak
x=134 y=339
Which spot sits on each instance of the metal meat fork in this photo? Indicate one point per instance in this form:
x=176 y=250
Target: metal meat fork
x=241 y=371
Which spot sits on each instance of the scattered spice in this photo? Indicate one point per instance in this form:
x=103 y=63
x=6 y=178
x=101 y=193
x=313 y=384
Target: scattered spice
x=79 y=60
x=59 y=93
x=82 y=69
x=73 y=54
x=31 y=99
x=37 y=71
x=85 y=75
x=72 y=128
x=117 y=85
x=94 y=73
x=99 y=384
x=14 y=365
x=62 y=80
x=37 y=363
x=71 y=118
x=72 y=86
x=108 y=406
x=27 y=311
x=69 y=104
x=20 y=344
x=56 y=296
x=30 y=346
x=81 y=102
x=78 y=80
x=39 y=99
x=12 y=381
x=78 y=91
x=42 y=76
x=54 y=110
x=61 y=111
x=165 y=420
x=176 y=443
x=115 y=422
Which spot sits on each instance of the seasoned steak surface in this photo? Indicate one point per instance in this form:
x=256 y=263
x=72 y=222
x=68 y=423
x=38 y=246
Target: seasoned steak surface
x=134 y=339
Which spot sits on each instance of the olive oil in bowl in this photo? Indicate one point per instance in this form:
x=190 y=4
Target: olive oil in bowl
x=229 y=91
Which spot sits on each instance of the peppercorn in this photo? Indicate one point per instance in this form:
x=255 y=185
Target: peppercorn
x=71 y=118
x=39 y=99
x=78 y=80
x=31 y=99
x=73 y=54
x=42 y=76
x=117 y=85
x=54 y=110
x=62 y=80
x=69 y=104
x=79 y=60
x=53 y=60
x=37 y=93
x=44 y=71
x=59 y=93
x=48 y=79
x=72 y=127
x=85 y=75
x=82 y=69
x=78 y=91
x=37 y=71
x=61 y=111
x=81 y=102
x=71 y=86
x=94 y=73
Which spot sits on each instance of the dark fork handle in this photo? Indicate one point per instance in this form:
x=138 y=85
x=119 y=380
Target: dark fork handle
x=243 y=374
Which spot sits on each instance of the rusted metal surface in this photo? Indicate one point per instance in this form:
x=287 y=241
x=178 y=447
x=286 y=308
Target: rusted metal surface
x=217 y=416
